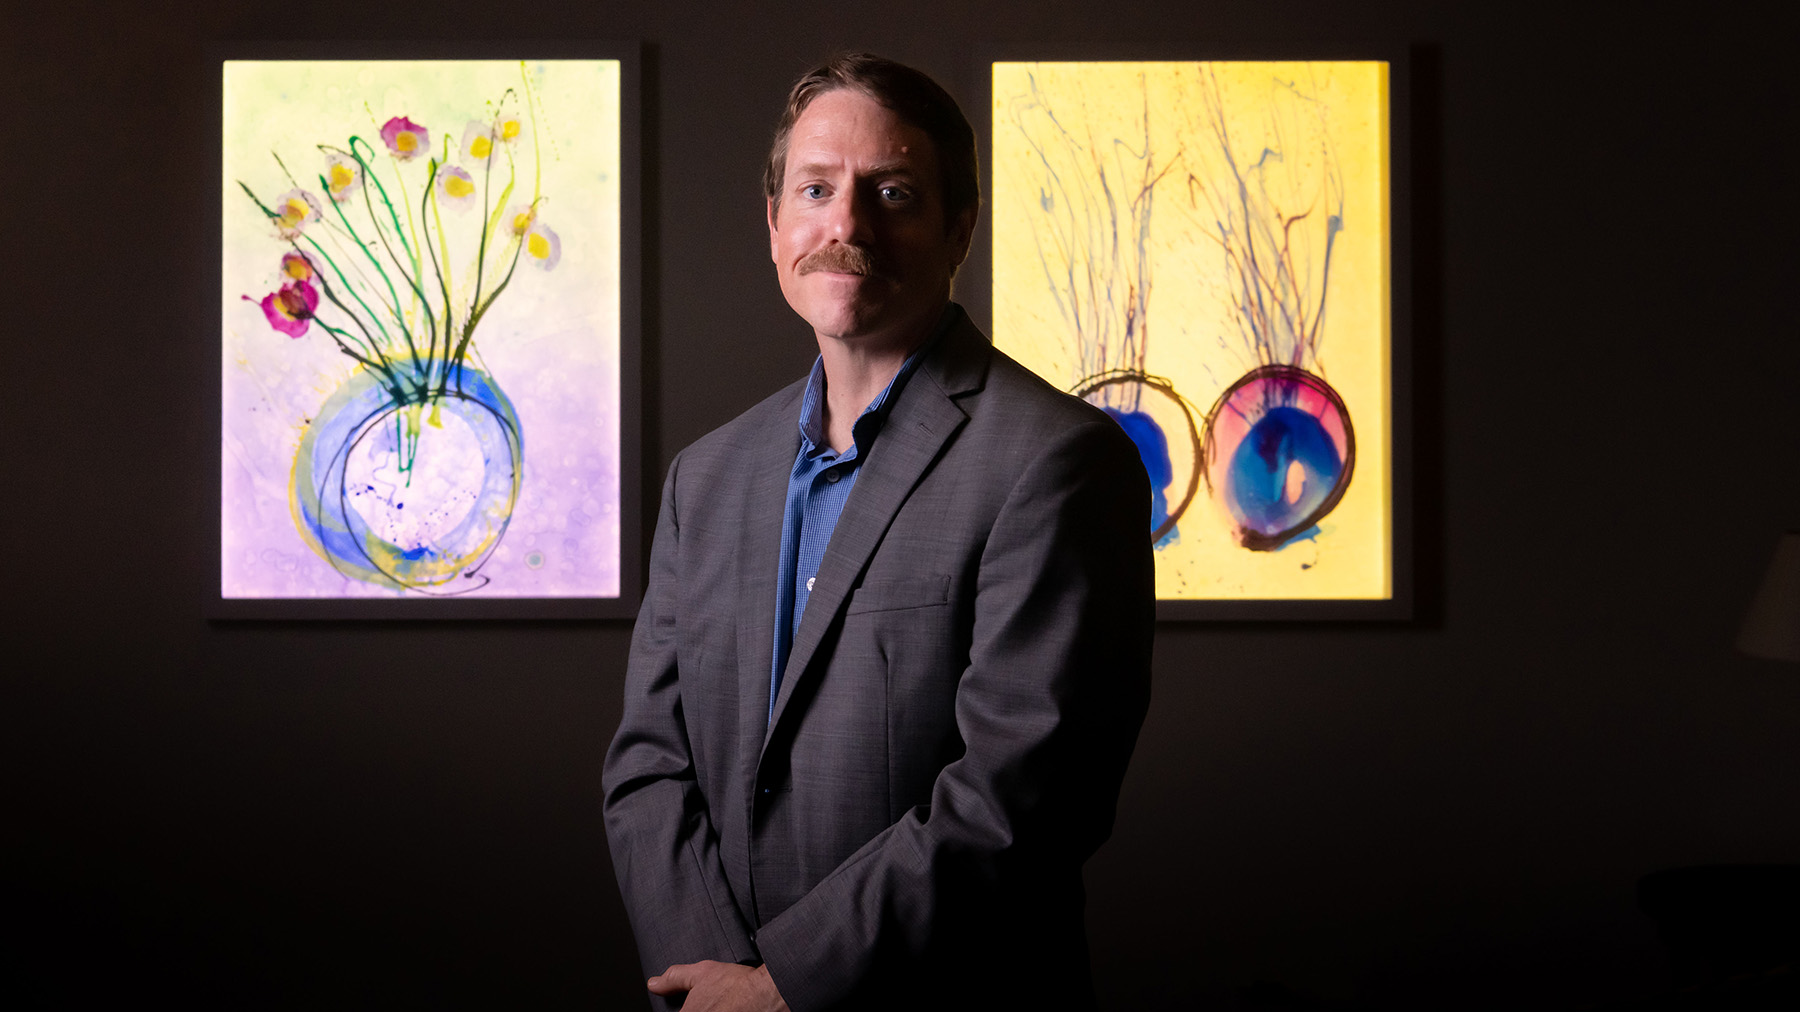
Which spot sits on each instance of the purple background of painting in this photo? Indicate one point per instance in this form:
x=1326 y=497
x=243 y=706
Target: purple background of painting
x=568 y=504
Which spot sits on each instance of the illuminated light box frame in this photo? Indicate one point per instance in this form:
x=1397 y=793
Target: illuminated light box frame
x=428 y=298
x=1206 y=250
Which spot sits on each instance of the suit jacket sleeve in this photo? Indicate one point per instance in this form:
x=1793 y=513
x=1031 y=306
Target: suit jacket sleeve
x=1048 y=709
x=664 y=848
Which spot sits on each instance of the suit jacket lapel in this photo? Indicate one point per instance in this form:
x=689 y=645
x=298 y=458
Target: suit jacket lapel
x=758 y=563
x=922 y=421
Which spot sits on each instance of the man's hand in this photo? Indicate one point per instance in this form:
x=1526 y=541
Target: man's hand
x=712 y=986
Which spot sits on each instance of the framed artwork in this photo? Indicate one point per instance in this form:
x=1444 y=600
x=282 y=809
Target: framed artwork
x=1206 y=251
x=428 y=302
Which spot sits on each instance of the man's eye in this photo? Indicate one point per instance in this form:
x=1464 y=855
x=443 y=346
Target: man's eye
x=895 y=194
x=812 y=191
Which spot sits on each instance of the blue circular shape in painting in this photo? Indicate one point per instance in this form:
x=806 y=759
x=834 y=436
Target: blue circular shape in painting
x=1153 y=449
x=1153 y=416
x=363 y=408
x=1279 y=451
x=1284 y=470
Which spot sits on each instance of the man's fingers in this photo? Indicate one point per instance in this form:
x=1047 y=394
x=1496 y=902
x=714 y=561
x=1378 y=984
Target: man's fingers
x=677 y=978
x=670 y=981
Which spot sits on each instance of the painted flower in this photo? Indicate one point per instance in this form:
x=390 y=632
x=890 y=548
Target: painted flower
x=520 y=218
x=293 y=211
x=477 y=142
x=343 y=177
x=542 y=247
x=509 y=128
x=290 y=308
x=406 y=139
x=456 y=188
x=297 y=266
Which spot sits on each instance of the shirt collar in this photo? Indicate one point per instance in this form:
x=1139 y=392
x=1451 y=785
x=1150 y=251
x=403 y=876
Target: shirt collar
x=812 y=403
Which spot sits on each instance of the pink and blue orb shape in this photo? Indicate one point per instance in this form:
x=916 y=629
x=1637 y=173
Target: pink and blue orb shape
x=1280 y=451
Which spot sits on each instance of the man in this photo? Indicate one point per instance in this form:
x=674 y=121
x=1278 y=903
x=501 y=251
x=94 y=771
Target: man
x=895 y=649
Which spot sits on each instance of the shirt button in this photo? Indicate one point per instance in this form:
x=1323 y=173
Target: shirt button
x=809 y=583
x=833 y=476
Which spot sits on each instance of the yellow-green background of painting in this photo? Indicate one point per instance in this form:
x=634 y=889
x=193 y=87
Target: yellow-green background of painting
x=1189 y=308
x=287 y=107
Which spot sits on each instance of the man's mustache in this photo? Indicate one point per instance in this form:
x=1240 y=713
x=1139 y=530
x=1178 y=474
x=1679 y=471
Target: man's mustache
x=839 y=258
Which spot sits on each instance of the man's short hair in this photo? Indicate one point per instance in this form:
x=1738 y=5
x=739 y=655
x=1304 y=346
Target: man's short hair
x=914 y=97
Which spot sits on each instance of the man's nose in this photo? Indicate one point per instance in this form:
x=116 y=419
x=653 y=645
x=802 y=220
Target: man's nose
x=854 y=213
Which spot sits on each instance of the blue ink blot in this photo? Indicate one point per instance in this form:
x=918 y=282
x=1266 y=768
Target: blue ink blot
x=1153 y=450
x=1258 y=475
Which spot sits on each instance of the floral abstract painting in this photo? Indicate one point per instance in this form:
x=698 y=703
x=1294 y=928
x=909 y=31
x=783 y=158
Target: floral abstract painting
x=421 y=329
x=1202 y=250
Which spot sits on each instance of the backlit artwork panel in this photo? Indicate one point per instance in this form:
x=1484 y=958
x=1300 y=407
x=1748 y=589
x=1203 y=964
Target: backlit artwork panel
x=421 y=329
x=1202 y=250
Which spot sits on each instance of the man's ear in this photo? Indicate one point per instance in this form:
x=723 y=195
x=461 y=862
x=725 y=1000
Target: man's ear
x=962 y=233
x=773 y=233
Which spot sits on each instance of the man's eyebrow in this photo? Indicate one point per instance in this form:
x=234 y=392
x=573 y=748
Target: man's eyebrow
x=896 y=168
x=891 y=169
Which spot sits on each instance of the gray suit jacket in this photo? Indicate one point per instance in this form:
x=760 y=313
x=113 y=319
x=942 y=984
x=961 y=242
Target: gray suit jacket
x=953 y=722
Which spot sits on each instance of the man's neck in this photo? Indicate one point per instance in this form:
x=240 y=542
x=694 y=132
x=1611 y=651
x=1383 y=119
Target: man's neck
x=857 y=371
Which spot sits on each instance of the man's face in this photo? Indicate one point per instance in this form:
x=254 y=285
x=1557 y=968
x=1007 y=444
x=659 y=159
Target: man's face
x=858 y=237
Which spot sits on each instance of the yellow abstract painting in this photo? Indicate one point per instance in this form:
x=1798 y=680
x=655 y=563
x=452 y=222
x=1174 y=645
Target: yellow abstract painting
x=1202 y=250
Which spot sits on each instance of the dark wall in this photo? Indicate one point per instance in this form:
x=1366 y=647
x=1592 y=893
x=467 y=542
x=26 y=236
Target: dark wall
x=1450 y=812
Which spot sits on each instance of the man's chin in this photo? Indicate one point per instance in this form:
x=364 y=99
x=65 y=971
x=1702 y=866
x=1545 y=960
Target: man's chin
x=869 y=329
x=868 y=310
x=839 y=329
x=849 y=315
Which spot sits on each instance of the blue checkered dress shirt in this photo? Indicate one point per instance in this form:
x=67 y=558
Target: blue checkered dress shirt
x=817 y=490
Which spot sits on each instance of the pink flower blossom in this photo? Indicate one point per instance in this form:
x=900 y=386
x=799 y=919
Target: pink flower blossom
x=297 y=267
x=290 y=309
x=406 y=139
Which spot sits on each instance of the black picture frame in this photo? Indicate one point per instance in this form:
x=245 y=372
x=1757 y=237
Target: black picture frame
x=630 y=279
x=1399 y=606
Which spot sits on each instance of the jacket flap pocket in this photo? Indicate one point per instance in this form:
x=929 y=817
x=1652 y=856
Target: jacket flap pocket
x=893 y=595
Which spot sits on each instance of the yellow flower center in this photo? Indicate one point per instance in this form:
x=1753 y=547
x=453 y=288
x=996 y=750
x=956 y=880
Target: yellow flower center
x=538 y=246
x=509 y=130
x=480 y=147
x=293 y=213
x=407 y=142
x=291 y=305
x=457 y=186
x=341 y=177
x=298 y=268
x=522 y=223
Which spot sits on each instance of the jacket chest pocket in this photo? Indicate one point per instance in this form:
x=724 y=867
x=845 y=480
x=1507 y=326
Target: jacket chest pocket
x=908 y=625
x=898 y=595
